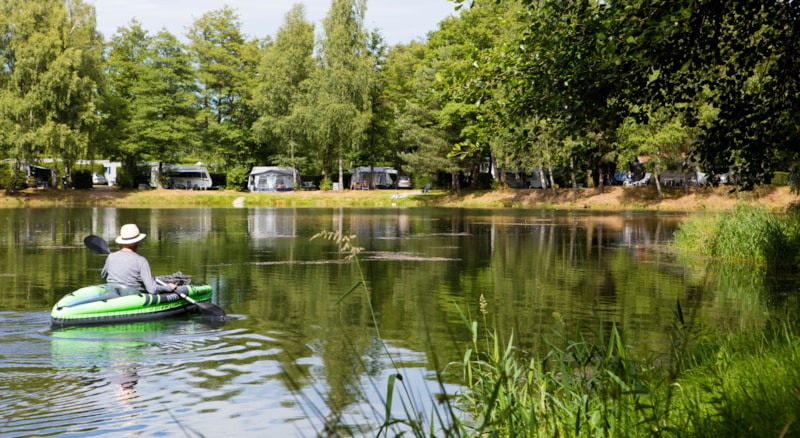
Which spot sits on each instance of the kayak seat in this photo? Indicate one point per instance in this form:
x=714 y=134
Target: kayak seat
x=111 y=291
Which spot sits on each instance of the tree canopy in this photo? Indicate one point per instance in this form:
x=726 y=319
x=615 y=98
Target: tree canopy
x=506 y=92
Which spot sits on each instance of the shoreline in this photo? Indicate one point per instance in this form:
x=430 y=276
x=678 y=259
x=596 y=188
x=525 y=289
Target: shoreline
x=700 y=199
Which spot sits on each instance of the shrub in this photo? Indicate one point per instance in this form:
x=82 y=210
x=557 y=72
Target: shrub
x=82 y=179
x=6 y=172
x=236 y=178
x=325 y=184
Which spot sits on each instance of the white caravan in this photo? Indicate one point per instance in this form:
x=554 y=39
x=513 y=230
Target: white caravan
x=186 y=177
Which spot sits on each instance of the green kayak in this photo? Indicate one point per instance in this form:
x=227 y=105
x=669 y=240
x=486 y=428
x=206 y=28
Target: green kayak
x=111 y=303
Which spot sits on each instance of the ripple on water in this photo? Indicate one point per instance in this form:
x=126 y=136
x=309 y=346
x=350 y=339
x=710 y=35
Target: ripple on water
x=145 y=378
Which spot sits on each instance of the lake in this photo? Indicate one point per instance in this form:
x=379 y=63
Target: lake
x=299 y=352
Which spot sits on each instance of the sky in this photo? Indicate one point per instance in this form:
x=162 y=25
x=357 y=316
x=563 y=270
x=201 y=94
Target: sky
x=399 y=21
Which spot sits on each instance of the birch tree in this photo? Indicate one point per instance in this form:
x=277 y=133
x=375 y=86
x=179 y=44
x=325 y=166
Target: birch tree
x=286 y=68
x=50 y=73
x=342 y=106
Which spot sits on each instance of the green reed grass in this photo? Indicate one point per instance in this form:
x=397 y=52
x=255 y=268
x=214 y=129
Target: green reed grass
x=591 y=384
x=415 y=421
x=748 y=233
x=579 y=388
x=707 y=385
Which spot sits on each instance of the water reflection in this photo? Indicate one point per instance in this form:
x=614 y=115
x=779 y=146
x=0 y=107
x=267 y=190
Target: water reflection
x=293 y=361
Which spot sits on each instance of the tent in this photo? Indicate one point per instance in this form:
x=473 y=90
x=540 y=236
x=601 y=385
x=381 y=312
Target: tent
x=366 y=177
x=271 y=179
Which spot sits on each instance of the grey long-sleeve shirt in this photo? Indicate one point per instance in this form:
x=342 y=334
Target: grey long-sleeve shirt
x=131 y=269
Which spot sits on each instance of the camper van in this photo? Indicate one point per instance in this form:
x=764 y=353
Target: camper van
x=186 y=177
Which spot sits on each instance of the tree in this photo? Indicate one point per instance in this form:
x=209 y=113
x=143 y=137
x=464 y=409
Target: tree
x=226 y=72
x=151 y=97
x=286 y=68
x=341 y=105
x=50 y=71
x=663 y=138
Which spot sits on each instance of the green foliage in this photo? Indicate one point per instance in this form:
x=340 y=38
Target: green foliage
x=226 y=73
x=325 y=184
x=780 y=179
x=131 y=178
x=588 y=86
x=283 y=93
x=743 y=382
x=697 y=234
x=125 y=180
x=237 y=176
x=6 y=173
x=709 y=385
x=581 y=388
x=152 y=84
x=82 y=179
x=747 y=233
x=50 y=75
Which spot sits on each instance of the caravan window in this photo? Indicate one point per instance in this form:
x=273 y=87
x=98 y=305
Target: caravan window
x=186 y=174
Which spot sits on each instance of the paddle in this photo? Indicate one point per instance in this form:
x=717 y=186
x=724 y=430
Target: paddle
x=206 y=307
x=98 y=245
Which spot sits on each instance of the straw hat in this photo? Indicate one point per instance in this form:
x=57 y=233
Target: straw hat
x=129 y=234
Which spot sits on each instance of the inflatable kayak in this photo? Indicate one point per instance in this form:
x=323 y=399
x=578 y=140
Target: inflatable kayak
x=111 y=303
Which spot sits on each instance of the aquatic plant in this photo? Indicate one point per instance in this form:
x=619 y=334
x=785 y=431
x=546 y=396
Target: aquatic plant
x=592 y=384
x=748 y=233
x=415 y=421
x=706 y=385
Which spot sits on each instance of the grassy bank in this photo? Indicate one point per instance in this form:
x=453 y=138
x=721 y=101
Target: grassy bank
x=774 y=198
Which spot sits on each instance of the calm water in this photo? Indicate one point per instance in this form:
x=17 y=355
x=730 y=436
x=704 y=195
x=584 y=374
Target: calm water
x=290 y=359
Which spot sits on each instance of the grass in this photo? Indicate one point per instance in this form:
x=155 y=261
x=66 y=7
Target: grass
x=747 y=233
x=592 y=384
x=707 y=385
x=774 y=198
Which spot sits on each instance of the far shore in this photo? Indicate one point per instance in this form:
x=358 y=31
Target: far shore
x=775 y=198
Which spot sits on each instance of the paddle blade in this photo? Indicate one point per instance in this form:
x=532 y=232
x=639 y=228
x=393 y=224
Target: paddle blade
x=96 y=244
x=211 y=310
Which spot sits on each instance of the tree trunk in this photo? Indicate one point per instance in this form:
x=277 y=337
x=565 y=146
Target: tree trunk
x=12 y=185
x=572 y=176
x=542 y=179
x=685 y=182
x=159 y=172
x=658 y=184
x=600 y=185
x=341 y=173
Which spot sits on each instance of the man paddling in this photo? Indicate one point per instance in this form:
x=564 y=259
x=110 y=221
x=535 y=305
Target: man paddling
x=128 y=268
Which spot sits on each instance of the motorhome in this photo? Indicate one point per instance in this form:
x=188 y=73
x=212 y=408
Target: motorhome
x=186 y=177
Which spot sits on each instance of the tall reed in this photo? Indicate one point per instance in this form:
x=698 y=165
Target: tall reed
x=749 y=234
x=414 y=421
x=579 y=388
x=707 y=385
x=590 y=384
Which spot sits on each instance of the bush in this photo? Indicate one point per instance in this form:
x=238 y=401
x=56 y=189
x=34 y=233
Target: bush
x=325 y=184
x=236 y=178
x=82 y=179
x=5 y=178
